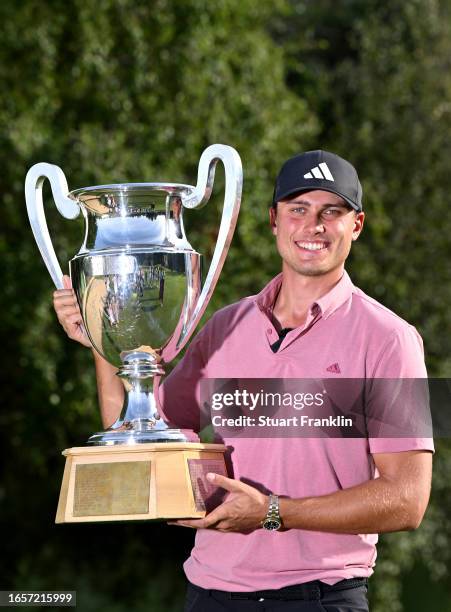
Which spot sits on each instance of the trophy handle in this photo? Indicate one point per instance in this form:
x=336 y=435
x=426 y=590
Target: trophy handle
x=200 y=196
x=35 y=207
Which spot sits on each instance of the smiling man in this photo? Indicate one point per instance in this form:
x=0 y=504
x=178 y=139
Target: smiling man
x=297 y=530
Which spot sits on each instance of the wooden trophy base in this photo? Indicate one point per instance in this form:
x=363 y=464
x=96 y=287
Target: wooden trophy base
x=139 y=482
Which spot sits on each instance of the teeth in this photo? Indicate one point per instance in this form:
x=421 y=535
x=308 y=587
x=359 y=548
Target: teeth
x=312 y=246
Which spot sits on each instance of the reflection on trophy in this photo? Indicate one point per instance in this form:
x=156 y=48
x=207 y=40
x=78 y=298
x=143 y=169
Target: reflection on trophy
x=138 y=284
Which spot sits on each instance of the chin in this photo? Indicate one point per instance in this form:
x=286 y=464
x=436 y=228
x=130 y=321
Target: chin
x=313 y=270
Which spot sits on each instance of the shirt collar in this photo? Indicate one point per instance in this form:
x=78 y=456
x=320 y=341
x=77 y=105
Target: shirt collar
x=327 y=304
x=337 y=296
x=266 y=298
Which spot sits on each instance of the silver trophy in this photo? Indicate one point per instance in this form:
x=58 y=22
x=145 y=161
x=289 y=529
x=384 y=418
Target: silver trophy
x=136 y=277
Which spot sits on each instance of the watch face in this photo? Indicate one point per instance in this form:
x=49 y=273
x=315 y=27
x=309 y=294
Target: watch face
x=272 y=524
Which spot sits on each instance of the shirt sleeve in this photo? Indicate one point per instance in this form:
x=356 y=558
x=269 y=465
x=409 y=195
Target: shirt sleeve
x=398 y=400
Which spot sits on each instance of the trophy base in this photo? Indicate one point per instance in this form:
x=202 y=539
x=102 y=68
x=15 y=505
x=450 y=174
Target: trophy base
x=133 y=435
x=139 y=482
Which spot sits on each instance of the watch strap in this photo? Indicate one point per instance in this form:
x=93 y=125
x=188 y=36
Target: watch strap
x=272 y=520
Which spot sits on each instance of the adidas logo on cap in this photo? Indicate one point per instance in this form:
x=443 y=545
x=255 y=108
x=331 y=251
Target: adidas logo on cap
x=316 y=172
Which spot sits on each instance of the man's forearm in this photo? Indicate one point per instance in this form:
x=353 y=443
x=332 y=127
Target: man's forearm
x=110 y=390
x=394 y=501
x=375 y=506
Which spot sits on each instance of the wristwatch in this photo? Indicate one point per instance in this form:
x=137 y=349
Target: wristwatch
x=272 y=521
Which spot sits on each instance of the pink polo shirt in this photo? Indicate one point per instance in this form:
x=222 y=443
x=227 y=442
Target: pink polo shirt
x=344 y=327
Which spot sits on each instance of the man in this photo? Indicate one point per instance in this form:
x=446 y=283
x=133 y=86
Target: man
x=313 y=547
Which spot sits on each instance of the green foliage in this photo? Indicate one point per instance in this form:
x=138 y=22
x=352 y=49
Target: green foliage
x=125 y=90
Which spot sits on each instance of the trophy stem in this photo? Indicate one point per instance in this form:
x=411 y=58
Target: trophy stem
x=139 y=422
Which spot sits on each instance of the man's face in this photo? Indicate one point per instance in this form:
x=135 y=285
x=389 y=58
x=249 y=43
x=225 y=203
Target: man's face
x=314 y=231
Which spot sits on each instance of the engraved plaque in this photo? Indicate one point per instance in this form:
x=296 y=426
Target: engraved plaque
x=206 y=495
x=112 y=488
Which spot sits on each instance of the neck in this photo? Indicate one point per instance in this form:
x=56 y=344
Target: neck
x=298 y=292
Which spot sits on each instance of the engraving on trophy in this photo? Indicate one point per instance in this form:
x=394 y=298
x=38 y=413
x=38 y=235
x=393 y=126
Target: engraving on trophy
x=144 y=291
x=112 y=488
x=206 y=495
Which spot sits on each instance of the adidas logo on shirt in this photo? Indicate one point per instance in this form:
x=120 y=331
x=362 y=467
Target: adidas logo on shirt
x=320 y=172
x=334 y=368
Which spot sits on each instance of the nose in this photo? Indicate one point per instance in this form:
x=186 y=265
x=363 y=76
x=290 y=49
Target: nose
x=313 y=224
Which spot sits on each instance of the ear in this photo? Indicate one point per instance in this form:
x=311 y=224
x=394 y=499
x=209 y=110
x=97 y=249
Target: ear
x=358 y=225
x=273 y=220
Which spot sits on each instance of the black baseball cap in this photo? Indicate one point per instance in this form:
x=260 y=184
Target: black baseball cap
x=319 y=170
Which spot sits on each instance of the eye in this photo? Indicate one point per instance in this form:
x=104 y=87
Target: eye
x=300 y=210
x=332 y=212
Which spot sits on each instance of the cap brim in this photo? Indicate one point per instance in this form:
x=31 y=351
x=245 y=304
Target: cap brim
x=305 y=189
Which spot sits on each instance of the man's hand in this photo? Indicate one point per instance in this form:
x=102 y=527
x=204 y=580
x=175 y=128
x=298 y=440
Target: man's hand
x=243 y=511
x=68 y=313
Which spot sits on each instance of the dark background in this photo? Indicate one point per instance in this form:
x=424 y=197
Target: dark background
x=122 y=90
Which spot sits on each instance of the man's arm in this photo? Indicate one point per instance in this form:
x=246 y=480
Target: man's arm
x=394 y=501
x=109 y=386
x=110 y=390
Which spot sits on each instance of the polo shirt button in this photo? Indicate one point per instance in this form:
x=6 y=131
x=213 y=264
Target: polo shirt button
x=269 y=331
